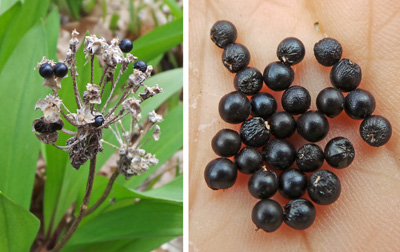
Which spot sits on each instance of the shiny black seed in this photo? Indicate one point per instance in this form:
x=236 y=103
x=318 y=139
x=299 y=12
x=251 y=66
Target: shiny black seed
x=292 y=183
x=324 y=187
x=226 y=143
x=140 y=65
x=330 y=101
x=41 y=127
x=223 y=33
x=359 y=104
x=220 y=173
x=235 y=57
x=291 y=51
x=310 y=157
x=249 y=160
x=263 y=184
x=255 y=132
x=279 y=154
x=268 y=215
x=248 y=81
x=299 y=214
x=339 y=152
x=60 y=69
x=263 y=105
x=46 y=70
x=313 y=126
x=328 y=51
x=346 y=75
x=98 y=121
x=126 y=45
x=234 y=107
x=278 y=76
x=282 y=124
x=376 y=130
x=296 y=100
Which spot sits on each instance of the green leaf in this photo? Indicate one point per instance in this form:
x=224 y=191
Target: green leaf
x=114 y=22
x=28 y=16
x=145 y=219
x=172 y=191
x=5 y=5
x=21 y=88
x=18 y=227
x=75 y=7
x=159 y=40
x=170 y=142
x=176 y=10
x=63 y=181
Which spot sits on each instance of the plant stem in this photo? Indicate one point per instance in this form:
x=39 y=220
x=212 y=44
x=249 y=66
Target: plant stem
x=91 y=69
x=105 y=193
x=82 y=210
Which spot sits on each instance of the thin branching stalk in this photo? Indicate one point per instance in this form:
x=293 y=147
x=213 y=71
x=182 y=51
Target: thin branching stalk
x=123 y=97
x=82 y=210
x=105 y=193
x=91 y=69
x=76 y=91
x=113 y=85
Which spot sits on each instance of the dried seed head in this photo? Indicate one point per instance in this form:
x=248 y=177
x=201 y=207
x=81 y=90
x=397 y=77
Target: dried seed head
x=92 y=94
x=150 y=92
x=83 y=116
x=154 y=117
x=48 y=138
x=94 y=46
x=133 y=106
x=156 y=133
x=128 y=59
x=50 y=107
x=74 y=39
x=113 y=54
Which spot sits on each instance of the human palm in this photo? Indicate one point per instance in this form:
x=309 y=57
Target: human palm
x=366 y=217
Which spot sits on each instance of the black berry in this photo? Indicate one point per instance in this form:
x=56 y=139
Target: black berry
x=140 y=65
x=57 y=125
x=234 y=107
x=330 y=101
x=282 y=124
x=126 y=45
x=223 y=33
x=299 y=214
x=310 y=157
x=313 y=126
x=226 y=143
x=339 y=152
x=46 y=70
x=263 y=105
x=324 y=187
x=291 y=51
x=263 y=184
x=220 y=173
x=98 y=121
x=375 y=130
x=255 y=132
x=249 y=160
x=279 y=154
x=346 y=75
x=60 y=70
x=296 y=100
x=235 y=57
x=359 y=104
x=328 y=51
x=248 y=81
x=292 y=183
x=278 y=76
x=268 y=215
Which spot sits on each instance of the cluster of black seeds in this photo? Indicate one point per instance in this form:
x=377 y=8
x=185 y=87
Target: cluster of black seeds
x=263 y=129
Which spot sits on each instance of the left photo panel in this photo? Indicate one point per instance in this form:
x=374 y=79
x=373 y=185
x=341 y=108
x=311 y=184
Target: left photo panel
x=92 y=129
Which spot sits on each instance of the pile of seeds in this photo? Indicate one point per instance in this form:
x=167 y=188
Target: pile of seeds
x=260 y=121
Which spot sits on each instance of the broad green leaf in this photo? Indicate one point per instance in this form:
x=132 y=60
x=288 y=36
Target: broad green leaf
x=170 y=81
x=63 y=181
x=176 y=10
x=18 y=227
x=5 y=5
x=7 y=16
x=172 y=191
x=28 y=16
x=171 y=141
x=21 y=88
x=75 y=7
x=145 y=219
x=128 y=245
x=159 y=40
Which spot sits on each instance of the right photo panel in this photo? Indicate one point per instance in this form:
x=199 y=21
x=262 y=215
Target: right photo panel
x=293 y=127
